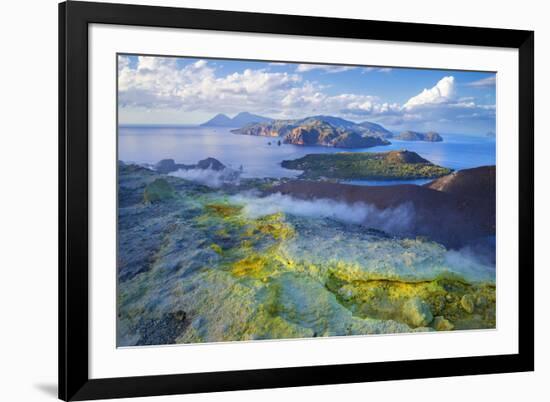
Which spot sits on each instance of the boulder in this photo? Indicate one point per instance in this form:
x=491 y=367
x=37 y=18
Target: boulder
x=166 y=166
x=210 y=163
x=467 y=303
x=442 y=324
x=417 y=312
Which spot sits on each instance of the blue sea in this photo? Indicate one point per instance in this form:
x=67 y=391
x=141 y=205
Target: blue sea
x=261 y=156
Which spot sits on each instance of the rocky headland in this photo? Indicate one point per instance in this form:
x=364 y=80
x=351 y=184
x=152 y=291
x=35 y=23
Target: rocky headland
x=430 y=136
x=321 y=130
x=324 y=134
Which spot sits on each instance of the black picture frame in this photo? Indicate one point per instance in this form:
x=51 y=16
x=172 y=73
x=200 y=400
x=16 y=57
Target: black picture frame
x=74 y=18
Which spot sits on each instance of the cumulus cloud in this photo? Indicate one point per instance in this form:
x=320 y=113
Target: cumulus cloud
x=440 y=104
x=123 y=62
x=167 y=87
x=159 y=81
x=442 y=92
x=364 y=106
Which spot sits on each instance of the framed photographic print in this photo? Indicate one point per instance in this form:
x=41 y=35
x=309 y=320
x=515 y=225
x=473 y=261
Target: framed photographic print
x=257 y=200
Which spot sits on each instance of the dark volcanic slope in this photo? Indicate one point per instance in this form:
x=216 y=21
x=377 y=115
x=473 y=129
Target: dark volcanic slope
x=450 y=219
x=478 y=182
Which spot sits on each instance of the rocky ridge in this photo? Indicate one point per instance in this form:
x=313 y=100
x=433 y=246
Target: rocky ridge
x=321 y=130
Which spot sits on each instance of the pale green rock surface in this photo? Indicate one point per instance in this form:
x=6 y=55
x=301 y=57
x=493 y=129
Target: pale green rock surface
x=417 y=312
x=158 y=190
x=196 y=268
x=369 y=256
x=467 y=303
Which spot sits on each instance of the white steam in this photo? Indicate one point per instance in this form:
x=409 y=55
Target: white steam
x=472 y=264
x=209 y=177
x=391 y=220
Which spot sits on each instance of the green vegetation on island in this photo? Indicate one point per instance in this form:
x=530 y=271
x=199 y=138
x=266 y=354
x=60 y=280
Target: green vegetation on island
x=393 y=165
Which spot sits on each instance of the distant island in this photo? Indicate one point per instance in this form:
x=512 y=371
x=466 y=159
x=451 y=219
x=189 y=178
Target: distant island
x=430 y=136
x=241 y=119
x=322 y=131
x=393 y=165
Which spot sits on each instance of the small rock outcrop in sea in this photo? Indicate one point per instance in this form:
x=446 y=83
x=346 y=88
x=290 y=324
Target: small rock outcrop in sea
x=430 y=136
x=210 y=163
x=169 y=165
x=417 y=312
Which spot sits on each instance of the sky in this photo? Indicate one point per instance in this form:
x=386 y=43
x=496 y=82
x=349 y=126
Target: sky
x=181 y=91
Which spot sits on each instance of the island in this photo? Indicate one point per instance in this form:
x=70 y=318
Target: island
x=239 y=120
x=326 y=131
x=376 y=129
x=317 y=132
x=430 y=136
x=392 y=165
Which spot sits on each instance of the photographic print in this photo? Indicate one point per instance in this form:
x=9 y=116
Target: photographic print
x=263 y=200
